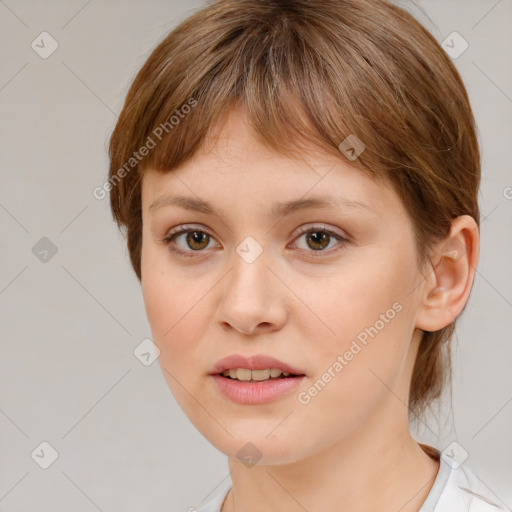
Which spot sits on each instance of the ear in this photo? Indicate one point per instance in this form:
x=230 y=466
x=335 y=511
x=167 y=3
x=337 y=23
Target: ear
x=448 y=285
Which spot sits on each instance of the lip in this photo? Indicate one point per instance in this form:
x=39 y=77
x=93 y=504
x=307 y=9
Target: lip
x=252 y=362
x=254 y=393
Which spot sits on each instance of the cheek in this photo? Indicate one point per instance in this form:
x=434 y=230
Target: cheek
x=165 y=291
x=171 y=303
x=173 y=308
x=175 y=313
x=348 y=302
x=359 y=335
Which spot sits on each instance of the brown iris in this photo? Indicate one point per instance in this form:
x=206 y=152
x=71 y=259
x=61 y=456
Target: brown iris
x=318 y=238
x=197 y=237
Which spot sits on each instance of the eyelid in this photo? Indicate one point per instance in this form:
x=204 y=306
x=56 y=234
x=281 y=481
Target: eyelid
x=300 y=230
x=185 y=228
x=320 y=227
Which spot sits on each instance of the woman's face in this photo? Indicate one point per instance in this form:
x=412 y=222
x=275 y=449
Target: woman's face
x=259 y=280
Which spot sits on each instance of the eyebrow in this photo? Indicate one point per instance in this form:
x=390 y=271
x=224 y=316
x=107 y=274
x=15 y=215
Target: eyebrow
x=279 y=209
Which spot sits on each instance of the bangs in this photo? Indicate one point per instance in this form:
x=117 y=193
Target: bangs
x=296 y=88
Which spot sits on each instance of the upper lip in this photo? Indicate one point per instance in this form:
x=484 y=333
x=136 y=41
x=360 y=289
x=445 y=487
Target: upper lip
x=252 y=362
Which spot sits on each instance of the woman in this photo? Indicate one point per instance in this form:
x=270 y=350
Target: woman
x=298 y=185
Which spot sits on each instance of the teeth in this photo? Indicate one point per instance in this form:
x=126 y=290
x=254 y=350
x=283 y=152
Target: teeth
x=258 y=375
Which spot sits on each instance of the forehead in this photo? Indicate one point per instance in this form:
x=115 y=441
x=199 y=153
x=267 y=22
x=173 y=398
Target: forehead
x=234 y=166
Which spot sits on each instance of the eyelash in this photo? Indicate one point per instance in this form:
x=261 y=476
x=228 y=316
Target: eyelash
x=168 y=239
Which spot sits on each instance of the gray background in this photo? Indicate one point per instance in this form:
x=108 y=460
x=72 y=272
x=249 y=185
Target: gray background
x=68 y=375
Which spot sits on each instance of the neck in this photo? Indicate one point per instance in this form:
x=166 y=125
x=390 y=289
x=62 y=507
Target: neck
x=374 y=468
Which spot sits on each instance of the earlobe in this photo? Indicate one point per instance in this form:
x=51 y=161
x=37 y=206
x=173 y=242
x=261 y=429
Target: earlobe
x=447 y=287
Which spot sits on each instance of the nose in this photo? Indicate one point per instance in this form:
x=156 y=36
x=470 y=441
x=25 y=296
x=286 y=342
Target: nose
x=252 y=297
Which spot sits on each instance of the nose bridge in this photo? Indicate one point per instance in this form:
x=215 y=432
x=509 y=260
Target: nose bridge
x=250 y=262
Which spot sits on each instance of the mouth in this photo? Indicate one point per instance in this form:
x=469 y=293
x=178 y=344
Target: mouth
x=254 y=368
x=255 y=379
x=247 y=375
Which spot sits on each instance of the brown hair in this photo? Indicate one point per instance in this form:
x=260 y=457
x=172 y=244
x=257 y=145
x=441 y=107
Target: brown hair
x=311 y=71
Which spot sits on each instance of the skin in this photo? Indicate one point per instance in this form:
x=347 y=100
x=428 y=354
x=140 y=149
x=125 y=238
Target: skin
x=350 y=447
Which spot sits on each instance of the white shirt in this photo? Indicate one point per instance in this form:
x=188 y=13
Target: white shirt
x=456 y=489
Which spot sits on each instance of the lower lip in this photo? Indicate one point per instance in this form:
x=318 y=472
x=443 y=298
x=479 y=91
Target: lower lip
x=251 y=393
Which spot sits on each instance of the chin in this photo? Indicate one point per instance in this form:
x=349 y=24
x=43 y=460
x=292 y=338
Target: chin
x=258 y=448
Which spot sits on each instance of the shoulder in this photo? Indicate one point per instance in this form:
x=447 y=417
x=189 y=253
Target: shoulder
x=464 y=491
x=215 y=500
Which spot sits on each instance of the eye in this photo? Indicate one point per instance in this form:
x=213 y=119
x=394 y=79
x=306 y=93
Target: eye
x=319 y=237
x=196 y=239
